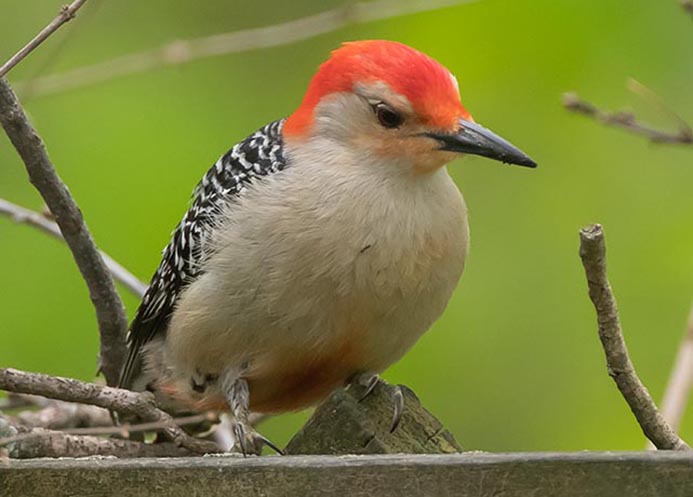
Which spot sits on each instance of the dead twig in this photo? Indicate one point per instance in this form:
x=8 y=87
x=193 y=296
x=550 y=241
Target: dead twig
x=125 y=402
x=25 y=216
x=619 y=365
x=67 y=13
x=59 y=415
x=16 y=401
x=48 y=443
x=680 y=381
x=110 y=312
x=123 y=430
x=183 y=51
x=628 y=121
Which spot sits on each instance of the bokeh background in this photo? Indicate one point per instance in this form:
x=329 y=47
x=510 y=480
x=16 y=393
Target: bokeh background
x=515 y=363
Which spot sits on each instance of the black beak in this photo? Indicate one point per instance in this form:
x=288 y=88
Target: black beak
x=474 y=139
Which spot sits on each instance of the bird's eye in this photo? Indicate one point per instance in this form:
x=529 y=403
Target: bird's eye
x=387 y=117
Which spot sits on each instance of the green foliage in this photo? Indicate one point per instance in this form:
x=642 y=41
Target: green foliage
x=515 y=363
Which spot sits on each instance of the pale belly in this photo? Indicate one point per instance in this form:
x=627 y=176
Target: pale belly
x=317 y=302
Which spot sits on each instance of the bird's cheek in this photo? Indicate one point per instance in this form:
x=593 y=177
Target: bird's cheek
x=432 y=161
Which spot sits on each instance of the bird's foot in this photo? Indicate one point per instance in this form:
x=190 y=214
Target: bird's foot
x=369 y=381
x=247 y=441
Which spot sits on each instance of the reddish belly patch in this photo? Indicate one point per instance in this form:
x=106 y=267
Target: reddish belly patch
x=294 y=383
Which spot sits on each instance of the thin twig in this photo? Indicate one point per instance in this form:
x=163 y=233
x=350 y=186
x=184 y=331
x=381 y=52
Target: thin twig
x=125 y=402
x=183 y=51
x=49 y=443
x=110 y=312
x=59 y=415
x=67 y=13
x=628 y=121
x=15 y=401
x=680 y=380
x=25 y=216
x=619 y=365
x=124 y=430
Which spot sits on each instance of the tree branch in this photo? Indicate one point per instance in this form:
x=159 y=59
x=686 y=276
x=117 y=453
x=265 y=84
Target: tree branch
x=123 y=430
x=619 y=365
x=48 y=443
x=125 y=402
x=110 y=312
x=67 y=13
x=60 y=415
x=183 y=51
x=25 y=216
x=17 y=401
x=628 y=121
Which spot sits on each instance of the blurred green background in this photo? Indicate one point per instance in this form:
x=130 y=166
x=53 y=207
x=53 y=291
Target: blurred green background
x=514 y=363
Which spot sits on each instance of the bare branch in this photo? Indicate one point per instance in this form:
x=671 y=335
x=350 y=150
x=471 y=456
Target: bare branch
x=619 y=365
x=628 y=121
x=124 y=430
x=36 y=220
x=67 y=13
x=680 y=381
x=183 y=51
x=125 y=402
x=17 y=401
x=48 y=443
x=110 y=312
x=59 y=415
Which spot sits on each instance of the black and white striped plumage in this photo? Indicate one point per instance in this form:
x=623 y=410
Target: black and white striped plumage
x=258 y=155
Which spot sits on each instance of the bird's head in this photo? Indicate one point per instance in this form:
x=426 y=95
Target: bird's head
x=387 y=99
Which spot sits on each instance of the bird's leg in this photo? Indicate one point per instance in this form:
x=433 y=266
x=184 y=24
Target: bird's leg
x=246 y=438
x=369 y=381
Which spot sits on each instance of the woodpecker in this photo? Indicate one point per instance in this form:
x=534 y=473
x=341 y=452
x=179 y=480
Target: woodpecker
x=319 y=249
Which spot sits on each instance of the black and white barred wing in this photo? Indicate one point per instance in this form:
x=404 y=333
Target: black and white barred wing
x=258 y=155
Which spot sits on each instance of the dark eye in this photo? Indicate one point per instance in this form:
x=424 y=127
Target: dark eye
x=387 y=117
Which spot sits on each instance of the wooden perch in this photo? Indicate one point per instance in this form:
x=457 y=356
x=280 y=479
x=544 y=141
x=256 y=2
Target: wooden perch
x=344 y=425
x=473 y=474
x=620 y=367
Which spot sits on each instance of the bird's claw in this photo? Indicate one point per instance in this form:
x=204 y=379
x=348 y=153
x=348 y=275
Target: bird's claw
x=370 y=382
x=398 y=397
x=249 y=441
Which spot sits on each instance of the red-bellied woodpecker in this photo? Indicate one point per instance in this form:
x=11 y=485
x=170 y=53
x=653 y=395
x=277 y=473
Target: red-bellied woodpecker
x=318 y=249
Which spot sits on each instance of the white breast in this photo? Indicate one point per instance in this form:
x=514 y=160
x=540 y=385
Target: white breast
x=317 y=252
